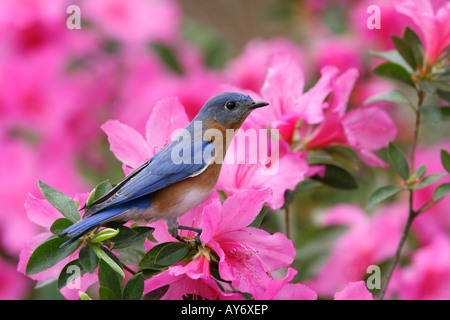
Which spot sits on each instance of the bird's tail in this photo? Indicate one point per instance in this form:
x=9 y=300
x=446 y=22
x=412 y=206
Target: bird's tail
x=82 y=227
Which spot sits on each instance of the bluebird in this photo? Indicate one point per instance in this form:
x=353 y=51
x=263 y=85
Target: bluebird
x=164 y=187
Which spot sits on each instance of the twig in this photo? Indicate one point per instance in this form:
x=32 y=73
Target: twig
x=411 y=216
x=287 y=221
x=411 y=213
x=127 y=268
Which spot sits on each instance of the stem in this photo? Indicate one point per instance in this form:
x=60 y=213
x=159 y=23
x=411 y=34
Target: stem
x=128 y=269
x=411 y=213
x=421 y=96
x=411 y=216
x=287 y=221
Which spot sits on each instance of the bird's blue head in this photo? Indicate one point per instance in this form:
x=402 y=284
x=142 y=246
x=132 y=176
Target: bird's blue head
x=229 y=109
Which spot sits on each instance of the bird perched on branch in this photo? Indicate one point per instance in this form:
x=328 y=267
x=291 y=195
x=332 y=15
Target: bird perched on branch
x=177 y=178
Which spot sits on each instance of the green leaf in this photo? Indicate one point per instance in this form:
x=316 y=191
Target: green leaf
x=445 y=159
x=149 y=259
x=142 y=234
x=259 y=218
x=172 y=253
x=124 y=234
x=104 y=234
x=103 y=256
x=99 y=191
x=394 y=96
x=84 y=295
x=59 y=225
x=427 y=181
x=443 y=85
x=420 y=171
x=414 y=42
x=88 y=259
x=436 y=114
x=441 y=191
x=394 y=57
x=105 y=293
x=60 y=201
x=381 y=194
x=393 y=71
x=405 y=51
x=342 y=156
x=134 y=288
x=108 y=277
x=69 y=273
x=49 y=253
x=337 y=177
x=398 y=161
x=167 y=55
x=443 y=73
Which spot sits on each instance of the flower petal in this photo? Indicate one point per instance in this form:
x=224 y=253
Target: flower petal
x=167 y=116
x=354 y=291
x=127 y=144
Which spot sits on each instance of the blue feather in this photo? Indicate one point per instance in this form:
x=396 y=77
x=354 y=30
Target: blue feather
x=82 y=227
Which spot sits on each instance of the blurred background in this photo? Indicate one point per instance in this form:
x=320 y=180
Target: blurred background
x=59 y=85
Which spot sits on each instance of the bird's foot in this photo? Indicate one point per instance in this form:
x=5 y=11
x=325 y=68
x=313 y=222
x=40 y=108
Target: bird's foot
x=173 y=228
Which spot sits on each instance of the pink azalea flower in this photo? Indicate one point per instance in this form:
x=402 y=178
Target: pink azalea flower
x=247 y=255
x=368 y=241
x=354 y=291
x=43 y=214
x=391 y=23
x=295 y=113
x=13 y=285
x=428 y=275
x=135 y=21
x=340 y=52
x=247 y=71
x=283 y=174
x=182 y=285
x=281 y=290
x=289 y=104
x=364 y=129
x=432 y=18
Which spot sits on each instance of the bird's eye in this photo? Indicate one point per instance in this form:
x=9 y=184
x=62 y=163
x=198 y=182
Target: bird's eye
x=230 y=105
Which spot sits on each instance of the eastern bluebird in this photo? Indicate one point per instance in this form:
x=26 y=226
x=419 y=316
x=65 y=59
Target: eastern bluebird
x=164 y=187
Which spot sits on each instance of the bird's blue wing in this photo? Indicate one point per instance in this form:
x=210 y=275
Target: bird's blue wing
x=158 y=172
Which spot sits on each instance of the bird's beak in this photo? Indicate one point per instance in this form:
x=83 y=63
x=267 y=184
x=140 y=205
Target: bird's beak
x=258 y=104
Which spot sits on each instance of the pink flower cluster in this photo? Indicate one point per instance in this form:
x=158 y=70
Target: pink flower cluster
x=372 y=240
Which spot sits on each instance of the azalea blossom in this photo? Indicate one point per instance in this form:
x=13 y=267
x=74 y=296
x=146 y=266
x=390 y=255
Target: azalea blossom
x=135 y=21
x=354 y=291
x=13 y=285
x=283 y=88
x=428 y=275
x=432 y=17
x=284 y=172
x=248 y=70
x=368 y=241
x=282 y=290
x=363 y=129
x=310 y=120
x=246 y=256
